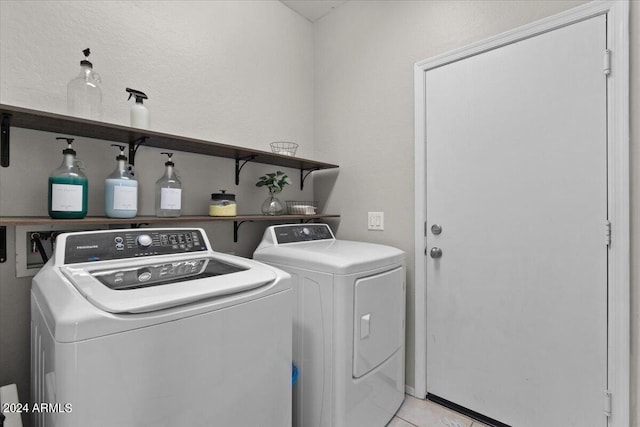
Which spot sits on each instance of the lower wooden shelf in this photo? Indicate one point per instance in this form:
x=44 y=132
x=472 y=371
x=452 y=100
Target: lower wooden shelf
x=41 y=220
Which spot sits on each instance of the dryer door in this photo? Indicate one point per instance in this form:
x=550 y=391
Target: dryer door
x=378 y=319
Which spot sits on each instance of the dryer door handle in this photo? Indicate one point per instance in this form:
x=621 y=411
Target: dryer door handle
x=365 y=326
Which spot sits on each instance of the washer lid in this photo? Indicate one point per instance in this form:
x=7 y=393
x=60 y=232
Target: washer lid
x=331 y=256
x=141 y=286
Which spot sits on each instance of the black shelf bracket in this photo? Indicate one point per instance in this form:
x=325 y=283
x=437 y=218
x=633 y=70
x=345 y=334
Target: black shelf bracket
x=3 y=244
x=236 y=226
x=139 y=224
x=304 y=175
x=239 y=166
x=4 y=140
x=133 y=149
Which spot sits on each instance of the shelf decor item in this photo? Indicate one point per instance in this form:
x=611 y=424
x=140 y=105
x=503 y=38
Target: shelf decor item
x=284 y=148
x=275 y=182
x=300 y=207
x=84 y=96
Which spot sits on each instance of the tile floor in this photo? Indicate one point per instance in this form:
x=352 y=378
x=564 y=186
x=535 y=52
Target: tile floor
x=423 y=413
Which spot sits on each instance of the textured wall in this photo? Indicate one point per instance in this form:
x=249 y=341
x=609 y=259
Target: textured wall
x=364 y=56
x=239 y=73
x=635 y=213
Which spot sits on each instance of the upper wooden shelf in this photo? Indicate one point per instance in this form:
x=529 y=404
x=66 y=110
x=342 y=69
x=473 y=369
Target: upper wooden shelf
x=67 y=125
x=45 y=220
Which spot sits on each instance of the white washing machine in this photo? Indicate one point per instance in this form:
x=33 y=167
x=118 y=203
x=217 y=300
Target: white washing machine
x=151 y=327
x=349 y=328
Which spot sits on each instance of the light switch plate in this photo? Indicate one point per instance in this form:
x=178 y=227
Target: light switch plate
x=376 y=221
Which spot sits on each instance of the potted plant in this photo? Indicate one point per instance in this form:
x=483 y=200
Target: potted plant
x=275 y=182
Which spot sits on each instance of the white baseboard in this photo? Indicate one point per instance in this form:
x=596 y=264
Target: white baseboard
x=411 y=392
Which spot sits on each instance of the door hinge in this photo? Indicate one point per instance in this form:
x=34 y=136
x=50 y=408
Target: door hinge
x=425 y=228
x=607 y=62
x=607 y=403
x=607 y=232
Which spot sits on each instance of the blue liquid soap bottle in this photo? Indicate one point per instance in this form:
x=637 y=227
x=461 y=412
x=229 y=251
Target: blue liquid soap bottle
x=121 y=189
x=68 y=187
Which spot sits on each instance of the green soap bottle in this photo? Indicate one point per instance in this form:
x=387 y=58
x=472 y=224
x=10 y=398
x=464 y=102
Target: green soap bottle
x=68 y=187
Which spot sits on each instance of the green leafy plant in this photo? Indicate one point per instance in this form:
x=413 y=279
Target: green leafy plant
x=274 y=181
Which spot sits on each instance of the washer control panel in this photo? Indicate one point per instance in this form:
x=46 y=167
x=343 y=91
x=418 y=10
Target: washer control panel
x=302 y=233
x=126 y=243
x=151 y=274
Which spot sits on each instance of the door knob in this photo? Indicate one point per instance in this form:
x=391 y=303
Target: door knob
x=435 y=253
x=436 y=229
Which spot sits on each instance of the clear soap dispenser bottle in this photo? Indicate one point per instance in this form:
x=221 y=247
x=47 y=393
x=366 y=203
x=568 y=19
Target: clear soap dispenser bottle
x=68 y=187
x=84 y=96
x=121 y=189
x=169 y=191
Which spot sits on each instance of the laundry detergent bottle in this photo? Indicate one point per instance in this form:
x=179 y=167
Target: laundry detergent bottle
x=169 y=191
x=121 y=189
x=68 y=187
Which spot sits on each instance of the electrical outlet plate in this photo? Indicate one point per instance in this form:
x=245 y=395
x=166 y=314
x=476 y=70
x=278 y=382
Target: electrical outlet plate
x=376 y=221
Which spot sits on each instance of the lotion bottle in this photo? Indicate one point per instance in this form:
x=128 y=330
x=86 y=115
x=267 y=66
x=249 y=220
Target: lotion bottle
x=121 y=189
x=68 y=187
x=169 y=191
x=139 y=113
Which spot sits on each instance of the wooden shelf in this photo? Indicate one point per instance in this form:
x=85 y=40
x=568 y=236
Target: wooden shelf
x=12 y=116
x=67 y=125
x=40 y=220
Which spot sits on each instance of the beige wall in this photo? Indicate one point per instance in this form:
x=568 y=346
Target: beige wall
x=364 y=94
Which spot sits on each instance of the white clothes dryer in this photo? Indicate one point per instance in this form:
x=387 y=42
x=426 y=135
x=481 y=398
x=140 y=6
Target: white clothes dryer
x=349 y=325
x=151 y=327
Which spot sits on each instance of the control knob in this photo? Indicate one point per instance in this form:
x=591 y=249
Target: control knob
x=144 y=274
x=144 y=241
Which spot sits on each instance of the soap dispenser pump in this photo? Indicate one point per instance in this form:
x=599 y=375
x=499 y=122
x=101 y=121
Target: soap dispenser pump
x=139 y=113
x=84 y=96
x=68 y=187
x=169 y=191
x=121 y=189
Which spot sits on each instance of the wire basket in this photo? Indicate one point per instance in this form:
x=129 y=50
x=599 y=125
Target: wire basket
x=284 y=148
x=298 y=207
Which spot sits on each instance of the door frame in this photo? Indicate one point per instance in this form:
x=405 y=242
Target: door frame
x=618 y=169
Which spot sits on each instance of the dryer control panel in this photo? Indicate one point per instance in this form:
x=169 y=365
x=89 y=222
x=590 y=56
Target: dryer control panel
x=302 y=233
x=127 y=243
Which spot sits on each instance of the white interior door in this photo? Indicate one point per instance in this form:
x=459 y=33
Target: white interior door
x=516 y=155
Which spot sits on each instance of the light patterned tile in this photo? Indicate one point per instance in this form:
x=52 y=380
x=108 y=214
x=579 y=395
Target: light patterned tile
x=478 y=424
x=424 y=413
x=399 y=422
